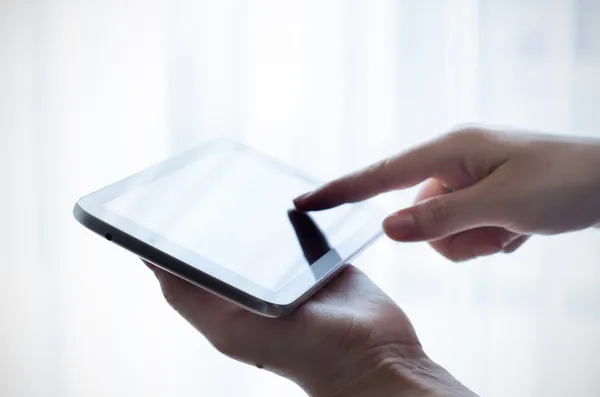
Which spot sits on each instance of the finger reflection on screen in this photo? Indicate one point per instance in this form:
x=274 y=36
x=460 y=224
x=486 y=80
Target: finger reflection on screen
x=312 y=240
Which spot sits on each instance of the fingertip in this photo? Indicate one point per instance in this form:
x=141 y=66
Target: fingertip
x=515 y=244
x=302 y=196
x=402 y=227
x=387 y=229
x=313 y=202
x=299 y=202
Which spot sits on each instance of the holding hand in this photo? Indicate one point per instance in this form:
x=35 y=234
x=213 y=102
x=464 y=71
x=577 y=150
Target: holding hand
x=349 y=340
x=487 y=190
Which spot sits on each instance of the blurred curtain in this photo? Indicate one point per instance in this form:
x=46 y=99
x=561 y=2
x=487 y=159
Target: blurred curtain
x=93 y=90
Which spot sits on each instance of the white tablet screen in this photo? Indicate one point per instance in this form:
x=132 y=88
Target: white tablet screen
x=232 y=209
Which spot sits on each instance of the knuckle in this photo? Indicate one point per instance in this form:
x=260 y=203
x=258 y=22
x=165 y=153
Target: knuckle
x=379 y=173
x=467 y=133
x=474 y=134
x=171 y=295
x=224 y=347
x=435 y=217
x=236 y=345
x=378 y=167
x=171 y=298
x=437 y=211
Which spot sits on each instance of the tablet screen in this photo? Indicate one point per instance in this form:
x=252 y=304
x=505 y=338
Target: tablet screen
x=233 y=209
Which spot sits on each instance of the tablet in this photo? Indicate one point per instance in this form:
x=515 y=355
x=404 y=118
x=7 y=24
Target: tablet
x=221 y=216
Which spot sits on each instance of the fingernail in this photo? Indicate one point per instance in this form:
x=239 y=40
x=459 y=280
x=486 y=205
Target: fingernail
x=301 y=197
x=401 y=226
x=514 y=245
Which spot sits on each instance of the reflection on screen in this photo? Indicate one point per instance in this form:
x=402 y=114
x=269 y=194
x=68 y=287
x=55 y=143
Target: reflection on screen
x=233 y=209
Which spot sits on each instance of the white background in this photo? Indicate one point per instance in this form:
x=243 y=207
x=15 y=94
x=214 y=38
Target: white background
x=93 y=90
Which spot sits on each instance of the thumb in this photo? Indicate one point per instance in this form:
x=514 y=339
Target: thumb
x=441 y=216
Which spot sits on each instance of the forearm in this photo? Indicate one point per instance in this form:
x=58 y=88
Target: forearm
x=393 y=375
x=422 y=379
x=596 y=171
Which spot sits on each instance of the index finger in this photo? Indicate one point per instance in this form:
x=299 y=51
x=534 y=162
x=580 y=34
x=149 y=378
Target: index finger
x=398 y=172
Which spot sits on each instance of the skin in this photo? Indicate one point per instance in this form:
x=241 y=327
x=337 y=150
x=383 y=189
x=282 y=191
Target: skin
x=350 y=339
x=486 y=190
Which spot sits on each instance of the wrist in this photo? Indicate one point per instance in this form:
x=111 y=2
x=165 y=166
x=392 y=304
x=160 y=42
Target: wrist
x=596 y=169
x=389 y=371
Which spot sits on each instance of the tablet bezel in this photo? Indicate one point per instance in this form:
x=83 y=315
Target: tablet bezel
x=91 y=212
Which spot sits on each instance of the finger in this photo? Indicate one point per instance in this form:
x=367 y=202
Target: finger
x=474 y=243
x=515 y=245
x=233 y=331
x=401 y=171
x=468 y=244
x=199 y=307
x=443 y=158
x=440 y=216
